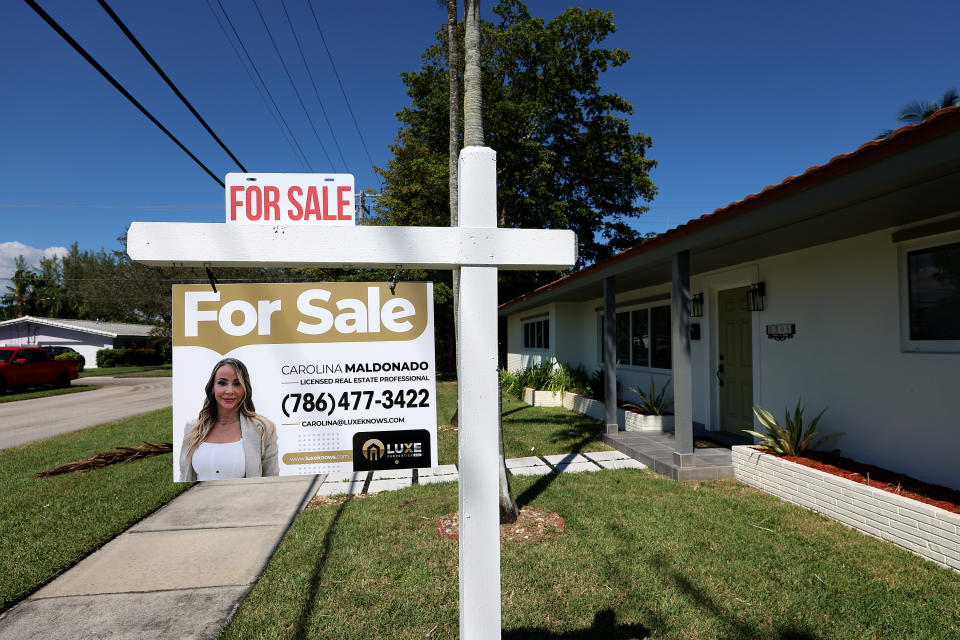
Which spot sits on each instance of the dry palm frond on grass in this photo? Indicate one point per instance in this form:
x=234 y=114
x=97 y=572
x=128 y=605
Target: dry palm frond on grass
x=105 y=458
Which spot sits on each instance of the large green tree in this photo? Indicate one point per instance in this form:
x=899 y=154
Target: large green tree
x=566 y=156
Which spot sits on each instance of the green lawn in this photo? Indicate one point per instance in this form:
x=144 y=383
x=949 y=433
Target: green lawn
x=46 y=392
x=49 y=524
x=642 y=556
x=113 y=371
x=527 y=430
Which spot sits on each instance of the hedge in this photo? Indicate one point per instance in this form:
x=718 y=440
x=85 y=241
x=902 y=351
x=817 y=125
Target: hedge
x=128 y=357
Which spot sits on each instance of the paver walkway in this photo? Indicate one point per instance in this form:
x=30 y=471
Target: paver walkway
x=376 y=481
x=183 y=571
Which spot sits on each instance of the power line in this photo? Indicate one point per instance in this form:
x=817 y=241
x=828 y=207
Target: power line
x=126 y=94
x=316 y=90
x=160 y=207
x=293 y=84
x=265 y=87
x=343 y=92
x=273 y=115
x=167 y=79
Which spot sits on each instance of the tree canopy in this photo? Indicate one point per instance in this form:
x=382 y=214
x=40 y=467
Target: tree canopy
x=566 y=157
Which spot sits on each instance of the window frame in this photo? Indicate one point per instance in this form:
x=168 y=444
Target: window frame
x=905 y=248
x=541 y=323
x=651 y=330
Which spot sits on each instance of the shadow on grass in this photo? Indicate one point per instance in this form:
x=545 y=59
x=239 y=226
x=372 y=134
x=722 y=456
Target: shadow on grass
x=702 y=599
x=604 y=627
x=543 y=482
x=303 y=620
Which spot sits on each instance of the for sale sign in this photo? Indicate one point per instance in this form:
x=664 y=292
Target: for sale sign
x=290 y=198
x=306 y=378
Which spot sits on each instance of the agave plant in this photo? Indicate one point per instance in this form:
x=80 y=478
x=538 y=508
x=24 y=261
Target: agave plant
x=651 y=403
x=790 y=439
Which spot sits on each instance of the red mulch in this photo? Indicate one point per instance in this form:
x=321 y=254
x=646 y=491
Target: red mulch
x=880 y=478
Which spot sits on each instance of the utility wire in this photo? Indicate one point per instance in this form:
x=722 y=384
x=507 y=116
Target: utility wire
x=265 y=87
x=316 y=90
x=126 y=94
x=292 y=83
x=316 y=21
x=173 y=87
x=255 y=85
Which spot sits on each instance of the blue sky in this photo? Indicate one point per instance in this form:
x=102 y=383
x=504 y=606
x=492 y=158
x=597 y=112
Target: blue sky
x=736 y=96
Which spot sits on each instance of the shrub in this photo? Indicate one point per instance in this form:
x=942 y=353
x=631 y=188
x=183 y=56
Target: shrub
x=128 y=357
x=547 y=376
x=81 y=361
x=651 y=403
x=791 y=439
x=108 y=357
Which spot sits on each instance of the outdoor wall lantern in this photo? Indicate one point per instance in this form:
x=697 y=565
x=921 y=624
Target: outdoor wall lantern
x=756 y=296
x=696 y=305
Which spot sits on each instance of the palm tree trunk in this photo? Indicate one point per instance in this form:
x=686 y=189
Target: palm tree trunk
x=473 y=136
x=453 y=65
x=472 y=101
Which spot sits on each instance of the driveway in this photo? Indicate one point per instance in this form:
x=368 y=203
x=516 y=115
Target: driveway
x=30 y=420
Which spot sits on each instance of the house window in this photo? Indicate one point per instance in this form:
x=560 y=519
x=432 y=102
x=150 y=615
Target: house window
x=643 y=337
x=536 y=334
x=933 y=278
x=930 y=294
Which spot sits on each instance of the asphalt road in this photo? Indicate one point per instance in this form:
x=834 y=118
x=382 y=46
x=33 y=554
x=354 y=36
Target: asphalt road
x=30 y=420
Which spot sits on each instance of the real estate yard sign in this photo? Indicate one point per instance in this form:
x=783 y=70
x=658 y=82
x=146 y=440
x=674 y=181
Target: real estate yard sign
x=344 y=370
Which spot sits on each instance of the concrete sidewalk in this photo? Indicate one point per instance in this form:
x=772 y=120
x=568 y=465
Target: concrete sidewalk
x=183 y=571
x=180 y=573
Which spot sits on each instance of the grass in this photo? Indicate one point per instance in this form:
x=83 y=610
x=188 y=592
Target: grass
x=642 y=556
x=547 y=430
x=49 y=524
x=154 y=373
x=113 y=371
x=44 y=393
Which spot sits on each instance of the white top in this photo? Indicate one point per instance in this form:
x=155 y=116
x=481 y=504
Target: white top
x=219 y=461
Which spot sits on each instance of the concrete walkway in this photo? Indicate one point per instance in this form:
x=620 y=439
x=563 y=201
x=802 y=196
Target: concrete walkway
x=180 y=573
x=183 y=571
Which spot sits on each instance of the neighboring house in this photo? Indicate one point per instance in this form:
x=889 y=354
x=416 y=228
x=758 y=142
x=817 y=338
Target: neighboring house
x=84 y=336
x=839 y=287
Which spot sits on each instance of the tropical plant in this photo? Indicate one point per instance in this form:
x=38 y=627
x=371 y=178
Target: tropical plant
x=546 y=376
x=651 y=403
x=920 y=111
x=791 y=438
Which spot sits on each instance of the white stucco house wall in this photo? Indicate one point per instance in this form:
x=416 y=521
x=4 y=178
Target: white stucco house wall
x=858 y=261
x=86 y=337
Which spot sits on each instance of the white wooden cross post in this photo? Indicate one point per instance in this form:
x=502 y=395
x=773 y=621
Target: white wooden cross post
x=477 y=248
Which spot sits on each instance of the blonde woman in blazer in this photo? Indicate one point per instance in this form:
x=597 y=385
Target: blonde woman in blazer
x=228 y=417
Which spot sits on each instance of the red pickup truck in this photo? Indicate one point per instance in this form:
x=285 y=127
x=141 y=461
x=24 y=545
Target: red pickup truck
x=31 y=366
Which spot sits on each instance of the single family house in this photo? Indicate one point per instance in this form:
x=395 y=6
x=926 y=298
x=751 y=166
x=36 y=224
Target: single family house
x=86 y=337
x=839 y=288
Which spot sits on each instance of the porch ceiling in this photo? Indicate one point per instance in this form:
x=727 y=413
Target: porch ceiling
x=908 y=186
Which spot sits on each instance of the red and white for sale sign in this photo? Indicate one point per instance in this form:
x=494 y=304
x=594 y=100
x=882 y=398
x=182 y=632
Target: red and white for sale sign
x=290 y=198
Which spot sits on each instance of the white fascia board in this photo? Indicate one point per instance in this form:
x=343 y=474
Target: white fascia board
x=220 y=244
x=59 y=325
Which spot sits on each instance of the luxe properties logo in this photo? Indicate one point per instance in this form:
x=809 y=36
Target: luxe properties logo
x=400 y=449
x=372 y=449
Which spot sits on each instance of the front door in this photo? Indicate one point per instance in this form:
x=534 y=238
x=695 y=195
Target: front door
x=735 y=361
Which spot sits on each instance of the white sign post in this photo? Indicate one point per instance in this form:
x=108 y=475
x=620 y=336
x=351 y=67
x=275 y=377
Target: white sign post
x=478 y=249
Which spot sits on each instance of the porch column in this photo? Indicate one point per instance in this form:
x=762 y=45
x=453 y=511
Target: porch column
x=682 y=375
x=610 y=355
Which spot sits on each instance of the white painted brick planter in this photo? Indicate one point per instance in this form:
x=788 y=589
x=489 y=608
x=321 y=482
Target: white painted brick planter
x=639 y=422
x=927 y=531
x=542 y=398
